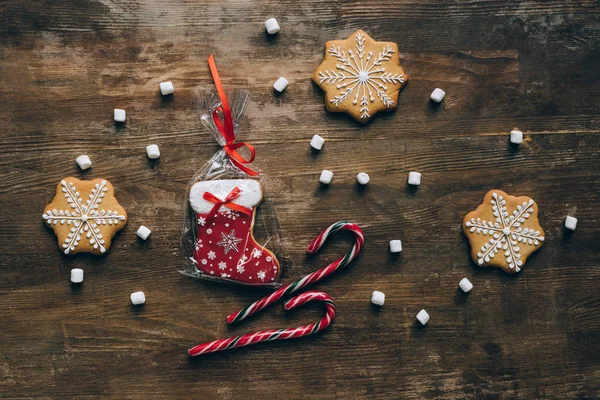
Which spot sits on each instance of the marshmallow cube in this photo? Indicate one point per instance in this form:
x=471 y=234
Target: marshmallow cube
x=465 y=285
x=143 y=232
x=437 y=95
x=516 y=137
x=84 y=162
x=152 y=151
x=76 y=275
x=166 y=88
x=423 y=317
x=119 y=115
x=280 y=84
x=272 y=26
x=395 y=246
x=378 y=298
x=571 y=223
x=363 y=178
x=326 y=177
x=317 y=142
x=138 y=298
x=414 y=178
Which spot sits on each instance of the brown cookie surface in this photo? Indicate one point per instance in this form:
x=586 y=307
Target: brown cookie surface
x=360 y=76
x=503 y=231
x=85 y=215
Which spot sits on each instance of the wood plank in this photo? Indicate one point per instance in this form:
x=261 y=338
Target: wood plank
x=529 y=64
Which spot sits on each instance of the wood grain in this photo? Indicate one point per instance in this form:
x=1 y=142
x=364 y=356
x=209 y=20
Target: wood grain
x=527 y=64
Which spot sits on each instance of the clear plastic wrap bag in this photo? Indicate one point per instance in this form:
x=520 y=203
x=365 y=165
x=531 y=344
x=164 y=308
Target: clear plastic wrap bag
x=230 y=230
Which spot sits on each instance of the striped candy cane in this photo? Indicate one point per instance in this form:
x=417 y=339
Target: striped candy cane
x=278 y=334
x=313 y=247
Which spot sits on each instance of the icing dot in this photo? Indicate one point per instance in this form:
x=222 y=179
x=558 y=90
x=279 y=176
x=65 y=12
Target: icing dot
x=203 y=261
x=269 y=259
x=209 y=231
x=363 y=76
x=506 y=231
x=226 y=225
x=84 y=217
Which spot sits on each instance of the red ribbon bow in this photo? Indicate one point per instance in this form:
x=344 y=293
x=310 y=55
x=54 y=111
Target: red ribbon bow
x=227 y=202
x=225 y=126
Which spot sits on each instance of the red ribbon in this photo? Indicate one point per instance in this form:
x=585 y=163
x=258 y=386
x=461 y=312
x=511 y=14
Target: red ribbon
x=227 y=202
x=225 y=126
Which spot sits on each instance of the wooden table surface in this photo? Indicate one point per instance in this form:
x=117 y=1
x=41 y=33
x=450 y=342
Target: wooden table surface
x=527 y=64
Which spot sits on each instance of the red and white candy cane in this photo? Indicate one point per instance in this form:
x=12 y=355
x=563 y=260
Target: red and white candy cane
x=277 y=334
x=313 y=247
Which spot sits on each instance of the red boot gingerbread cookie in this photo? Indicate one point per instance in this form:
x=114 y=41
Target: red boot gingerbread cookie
x=225 y=245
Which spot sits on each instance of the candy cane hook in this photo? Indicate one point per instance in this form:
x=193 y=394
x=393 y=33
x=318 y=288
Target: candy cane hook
x=313 y=247
x=277 y=334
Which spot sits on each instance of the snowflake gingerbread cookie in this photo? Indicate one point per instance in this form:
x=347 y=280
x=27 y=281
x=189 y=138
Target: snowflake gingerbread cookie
x=225 y=246
x=503 y=231
x=85 y=215
x=360 y=76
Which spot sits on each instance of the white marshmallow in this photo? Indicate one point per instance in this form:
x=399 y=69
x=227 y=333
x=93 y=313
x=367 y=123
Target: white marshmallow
x=465 y=285
x=363 y=178
x=516 y=137
x=138 y=298
x=414 y=178
x=571 y=223
x=152 y=151
x=326 y=177
x=84 y=162
x=280 y=84
x=119 y=115
x=272 y=26
x=378 y=298
x=76 y=275
x=423 y=317
x=395 y=246
x=143 y=232
x=317 y=142
x=166 y=88
x=437 y=95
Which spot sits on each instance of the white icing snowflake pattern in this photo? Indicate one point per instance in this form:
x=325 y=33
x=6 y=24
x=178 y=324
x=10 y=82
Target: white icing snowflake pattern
x=231 y=214
x=222 y=265
x=240 y=269
x=211 y=255
x=360 y=74
x=201 y=221
x=506 y=232
x=199 y=244
x=85 y=218
x=256 y=253
x=229 y=242
x=261 y=275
